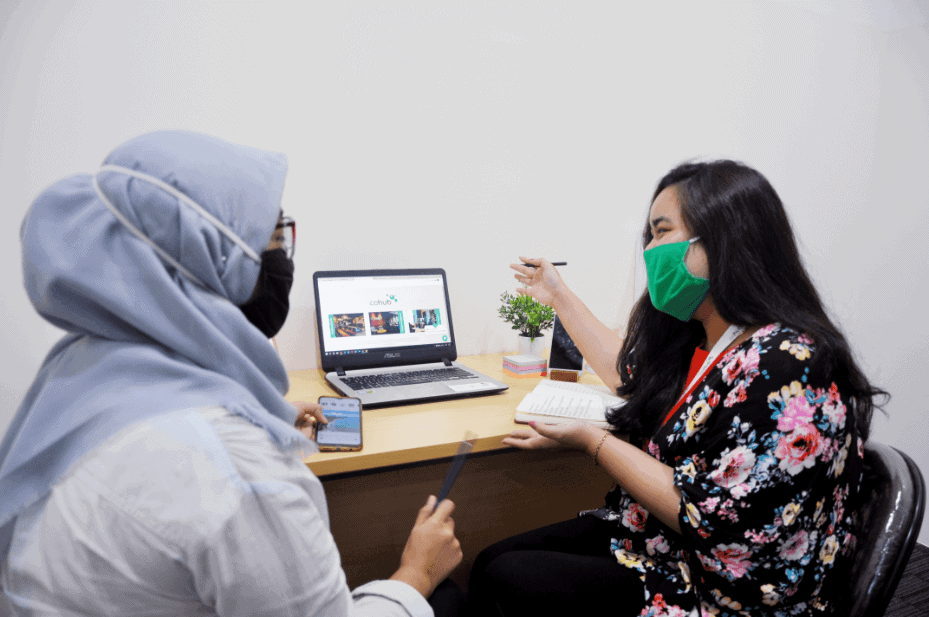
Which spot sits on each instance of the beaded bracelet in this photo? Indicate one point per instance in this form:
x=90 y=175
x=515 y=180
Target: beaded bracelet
x=597 y=451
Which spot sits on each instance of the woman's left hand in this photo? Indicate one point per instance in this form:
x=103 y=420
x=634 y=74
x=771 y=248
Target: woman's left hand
x=574 y=435
x=308 y=414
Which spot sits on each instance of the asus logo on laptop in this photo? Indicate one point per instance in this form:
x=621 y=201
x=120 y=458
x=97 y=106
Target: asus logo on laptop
x=391 y=355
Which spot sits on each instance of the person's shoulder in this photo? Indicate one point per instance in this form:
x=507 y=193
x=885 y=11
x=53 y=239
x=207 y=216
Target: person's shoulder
x=773 y=354
x=776 y=355
x=791 y=343
x=169 y=469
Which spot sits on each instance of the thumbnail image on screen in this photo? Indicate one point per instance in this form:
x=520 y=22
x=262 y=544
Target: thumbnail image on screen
x=424 y=320
x=386 y=322
x=347 y=324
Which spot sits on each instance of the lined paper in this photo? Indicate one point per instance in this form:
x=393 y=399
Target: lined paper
x=569 y=400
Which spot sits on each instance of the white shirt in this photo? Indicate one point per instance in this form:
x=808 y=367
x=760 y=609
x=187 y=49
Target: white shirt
x=196 y=512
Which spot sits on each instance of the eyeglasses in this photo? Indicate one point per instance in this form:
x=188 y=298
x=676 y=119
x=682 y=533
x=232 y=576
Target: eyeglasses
x=288 y=237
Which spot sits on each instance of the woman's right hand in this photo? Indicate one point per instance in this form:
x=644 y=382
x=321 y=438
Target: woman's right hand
x=432 y=550
x=544 y=282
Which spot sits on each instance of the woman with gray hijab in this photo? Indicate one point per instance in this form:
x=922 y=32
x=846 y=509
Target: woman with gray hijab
x=154 y=466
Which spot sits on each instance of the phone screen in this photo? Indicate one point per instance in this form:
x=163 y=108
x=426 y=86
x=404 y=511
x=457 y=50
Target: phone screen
x=344 y=428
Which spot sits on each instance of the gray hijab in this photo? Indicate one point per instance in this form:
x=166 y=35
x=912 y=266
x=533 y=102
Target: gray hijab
x=144 y=264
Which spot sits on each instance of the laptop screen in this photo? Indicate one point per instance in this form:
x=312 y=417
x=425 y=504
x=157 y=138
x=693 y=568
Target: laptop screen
x=372 y=318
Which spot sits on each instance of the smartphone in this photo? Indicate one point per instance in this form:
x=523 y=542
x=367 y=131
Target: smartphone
x=343 y=433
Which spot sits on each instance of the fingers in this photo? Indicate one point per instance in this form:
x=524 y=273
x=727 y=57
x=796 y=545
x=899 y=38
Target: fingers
x=523 y=274
x=572 y=434
x=527 y=271
x=445 y=509
x=522 y=438
x=316 y=410
x=516 y=443
x=545 y=430
x=426 y=511
x=551 y=433
x=308 y=425
x=440 y=513
x=541 y=281
x=540 y=262
x=309 y=413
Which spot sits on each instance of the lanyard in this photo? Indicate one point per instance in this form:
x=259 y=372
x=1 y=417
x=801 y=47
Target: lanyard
x=730 y=335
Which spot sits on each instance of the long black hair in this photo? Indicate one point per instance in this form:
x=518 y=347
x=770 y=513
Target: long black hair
x=756 y=278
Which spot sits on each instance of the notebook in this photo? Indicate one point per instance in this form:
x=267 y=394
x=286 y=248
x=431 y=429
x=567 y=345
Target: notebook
x=555 y=402
x=386 y=337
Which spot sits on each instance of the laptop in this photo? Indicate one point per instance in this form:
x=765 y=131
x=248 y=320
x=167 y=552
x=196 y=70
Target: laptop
x=386 y=337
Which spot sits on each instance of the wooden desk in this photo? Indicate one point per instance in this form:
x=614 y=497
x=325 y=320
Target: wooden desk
x=374 y=494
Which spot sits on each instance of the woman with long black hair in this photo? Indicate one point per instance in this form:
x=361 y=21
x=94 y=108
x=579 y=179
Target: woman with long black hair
x=737 y=456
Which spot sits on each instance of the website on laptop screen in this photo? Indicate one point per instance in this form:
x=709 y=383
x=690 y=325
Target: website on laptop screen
x=365 y=313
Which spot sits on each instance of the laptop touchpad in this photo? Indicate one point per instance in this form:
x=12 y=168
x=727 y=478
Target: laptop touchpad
x=472 y=387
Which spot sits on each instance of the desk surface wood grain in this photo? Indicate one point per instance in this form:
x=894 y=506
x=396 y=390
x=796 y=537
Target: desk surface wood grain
x=425 y=431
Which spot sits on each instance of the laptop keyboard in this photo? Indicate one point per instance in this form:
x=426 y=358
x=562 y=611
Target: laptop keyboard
x=406 y=378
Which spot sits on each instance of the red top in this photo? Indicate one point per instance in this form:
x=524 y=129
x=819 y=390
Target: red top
x=695 y=363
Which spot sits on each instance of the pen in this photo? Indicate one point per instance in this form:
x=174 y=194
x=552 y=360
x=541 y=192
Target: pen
x=554 y=263
x=457 y=463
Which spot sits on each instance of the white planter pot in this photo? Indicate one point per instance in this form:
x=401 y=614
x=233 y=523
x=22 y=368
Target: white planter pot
x=536 y=347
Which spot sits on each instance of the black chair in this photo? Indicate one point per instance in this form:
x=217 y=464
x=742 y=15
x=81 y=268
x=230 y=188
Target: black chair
x=893 y=500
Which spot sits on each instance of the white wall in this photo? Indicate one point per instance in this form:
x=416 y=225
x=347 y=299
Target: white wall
x=462 y=137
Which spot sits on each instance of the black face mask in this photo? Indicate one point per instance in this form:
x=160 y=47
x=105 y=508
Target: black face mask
x=268 y=306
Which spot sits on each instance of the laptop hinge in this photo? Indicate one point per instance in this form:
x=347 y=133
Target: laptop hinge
x=447 y=362
x=340 y=371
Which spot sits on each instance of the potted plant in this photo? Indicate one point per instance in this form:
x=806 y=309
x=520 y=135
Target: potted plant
x=530 y=317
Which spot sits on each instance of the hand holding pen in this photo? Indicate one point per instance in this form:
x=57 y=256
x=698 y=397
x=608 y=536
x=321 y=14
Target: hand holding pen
x=542 y=280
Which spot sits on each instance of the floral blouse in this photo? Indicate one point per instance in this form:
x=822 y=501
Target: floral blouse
x=768 y=464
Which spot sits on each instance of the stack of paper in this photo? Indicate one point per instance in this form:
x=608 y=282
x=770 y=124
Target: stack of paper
x=554 y=402
x=525 y=366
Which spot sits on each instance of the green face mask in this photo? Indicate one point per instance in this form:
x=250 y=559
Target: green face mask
x=672 y=288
